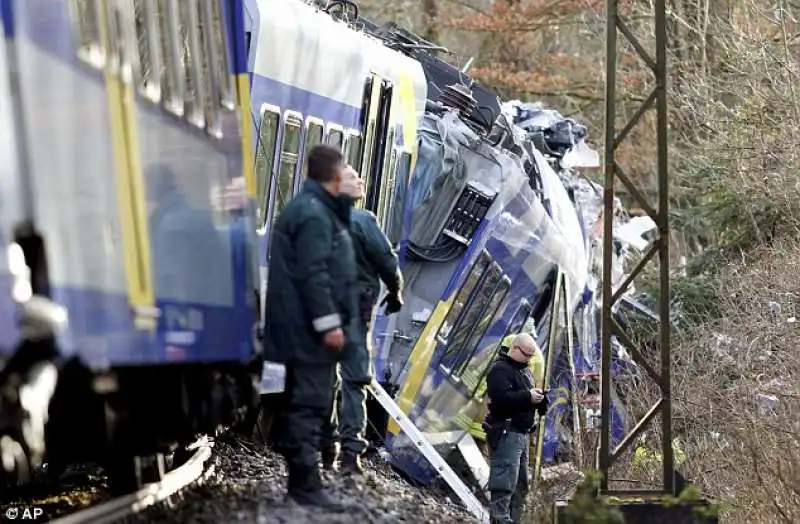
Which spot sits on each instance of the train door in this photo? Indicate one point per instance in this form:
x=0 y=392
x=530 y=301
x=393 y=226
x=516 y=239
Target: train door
x=383 y=162
x=63 y=114
x=376 y=132
x=182 y=180
x=129 y=158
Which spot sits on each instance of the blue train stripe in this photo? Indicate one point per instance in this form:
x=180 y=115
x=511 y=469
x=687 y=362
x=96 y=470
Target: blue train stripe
x=253 y=24
x=237 y=40
x=8 y=315
x=105 y=335
x=7 y=14
x=266 y=90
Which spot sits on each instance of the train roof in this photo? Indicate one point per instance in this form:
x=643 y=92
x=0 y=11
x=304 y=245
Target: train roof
x=438 y=73
x=317 y=49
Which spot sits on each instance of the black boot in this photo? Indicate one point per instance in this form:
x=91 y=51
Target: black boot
x=305 y=488
x=329 y=456
x=351 y=464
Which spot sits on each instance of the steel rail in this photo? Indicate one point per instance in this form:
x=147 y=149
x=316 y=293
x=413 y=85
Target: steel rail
x=150 y=494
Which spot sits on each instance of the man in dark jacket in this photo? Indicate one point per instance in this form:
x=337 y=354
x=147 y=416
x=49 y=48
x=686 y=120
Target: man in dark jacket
x=376 y=262
x=513 y=402
x=311 y=312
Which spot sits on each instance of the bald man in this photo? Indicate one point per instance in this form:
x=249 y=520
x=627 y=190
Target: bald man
x=513 y=401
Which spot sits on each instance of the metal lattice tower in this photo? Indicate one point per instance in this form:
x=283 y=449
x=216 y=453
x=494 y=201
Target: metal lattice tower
x=657 y=99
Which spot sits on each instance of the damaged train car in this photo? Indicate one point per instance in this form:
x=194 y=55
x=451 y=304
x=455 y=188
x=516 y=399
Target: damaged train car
x=501 y=234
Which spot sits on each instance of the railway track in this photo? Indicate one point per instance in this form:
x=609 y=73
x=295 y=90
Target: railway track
x=194 y=469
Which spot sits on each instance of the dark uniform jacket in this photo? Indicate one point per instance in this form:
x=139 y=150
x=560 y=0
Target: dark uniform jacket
x=311 y=286
x=376 y=260
x=508 y=385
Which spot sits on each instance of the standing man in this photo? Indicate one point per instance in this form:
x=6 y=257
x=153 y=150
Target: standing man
x=310 y=313
x=513 y=402
x=536 y=365
x=376 y=261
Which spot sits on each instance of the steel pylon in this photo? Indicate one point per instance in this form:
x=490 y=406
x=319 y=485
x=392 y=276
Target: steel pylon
x=657 y=99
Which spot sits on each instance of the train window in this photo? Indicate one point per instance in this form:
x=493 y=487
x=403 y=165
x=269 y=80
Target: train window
x=472 y=314
x=265 y=160
x=86 y=28
x=381 y=149
x=370 y=111
x=464 y=294
x=335 y=136
x=487 y=317
x=397 y=204
x=172 y=74
x=221 y=60
x=148 y=35
x=210 y=36
x=367 y=156
x=515 y=326
x=122 y=38
x=352 y=148
x=314 y=131
x=290 y=152
x=193 y=61
x=521 y=315
x=387 y=184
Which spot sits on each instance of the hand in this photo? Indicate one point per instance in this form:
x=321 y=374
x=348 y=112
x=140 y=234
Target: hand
x=334 y=339
x=393 y=303
x=537 y=395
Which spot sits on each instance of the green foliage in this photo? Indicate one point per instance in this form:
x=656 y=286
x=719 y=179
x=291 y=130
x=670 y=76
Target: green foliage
x=692 y=496
x=586 y=508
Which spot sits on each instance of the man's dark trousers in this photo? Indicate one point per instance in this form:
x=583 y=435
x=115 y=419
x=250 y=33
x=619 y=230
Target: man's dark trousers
x=309 y=395
x=350 y=415
x=356 y=375
x=508 y=477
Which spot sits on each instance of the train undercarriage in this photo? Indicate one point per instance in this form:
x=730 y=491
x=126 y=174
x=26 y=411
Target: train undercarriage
x=133 y=421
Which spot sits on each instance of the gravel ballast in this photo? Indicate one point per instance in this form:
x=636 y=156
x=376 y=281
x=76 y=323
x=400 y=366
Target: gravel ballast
x=249 y=484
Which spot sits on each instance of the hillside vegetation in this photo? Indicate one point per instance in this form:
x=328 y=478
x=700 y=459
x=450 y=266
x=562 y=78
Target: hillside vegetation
x=735 y=192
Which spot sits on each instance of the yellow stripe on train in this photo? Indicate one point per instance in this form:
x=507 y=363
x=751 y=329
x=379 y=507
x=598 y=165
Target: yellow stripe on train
x=420 y=360
x=129 y=180
x=423 y=350
x=245 y=121
x=408 y=115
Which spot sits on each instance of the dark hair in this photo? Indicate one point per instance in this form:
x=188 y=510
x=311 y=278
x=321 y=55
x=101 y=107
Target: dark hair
x=323 y=161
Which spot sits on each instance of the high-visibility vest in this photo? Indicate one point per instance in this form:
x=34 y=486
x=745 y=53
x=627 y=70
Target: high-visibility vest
x=644 y=457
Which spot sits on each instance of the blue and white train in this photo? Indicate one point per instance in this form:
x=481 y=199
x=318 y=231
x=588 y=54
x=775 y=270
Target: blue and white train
x=344 y=88
x=489 y=235
x=128 y=130
x=127 y=217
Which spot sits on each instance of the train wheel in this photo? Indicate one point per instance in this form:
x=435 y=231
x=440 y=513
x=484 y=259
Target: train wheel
x=122 y=466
